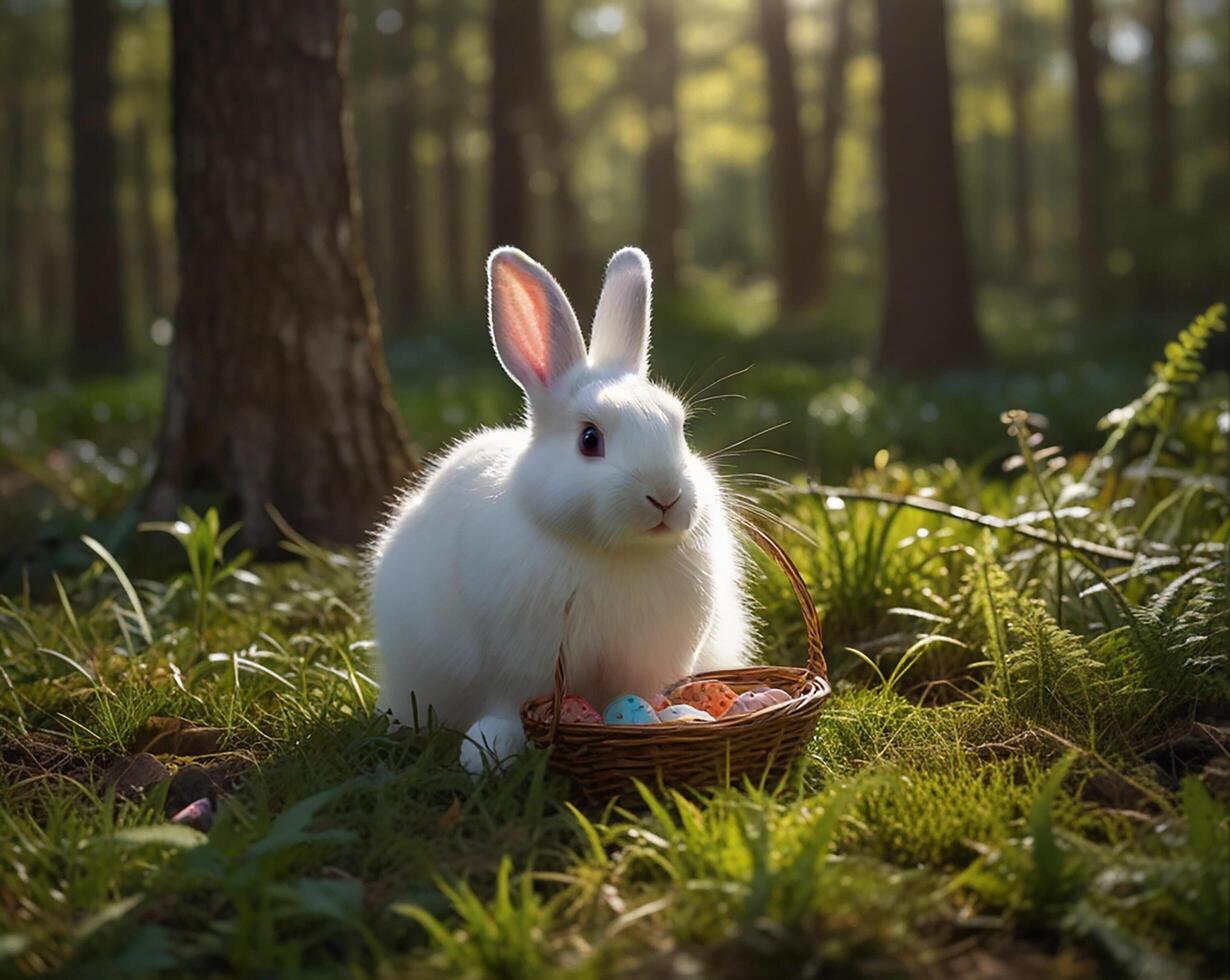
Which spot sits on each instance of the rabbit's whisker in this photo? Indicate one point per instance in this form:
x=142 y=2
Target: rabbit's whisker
x=744 y=441
x=722 y=379
x=688 y=387
x=717 y=398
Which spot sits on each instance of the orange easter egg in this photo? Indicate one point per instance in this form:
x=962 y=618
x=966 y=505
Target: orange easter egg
x=711 y=696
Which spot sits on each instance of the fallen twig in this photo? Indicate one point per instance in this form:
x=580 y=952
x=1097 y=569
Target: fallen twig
x=964 y=514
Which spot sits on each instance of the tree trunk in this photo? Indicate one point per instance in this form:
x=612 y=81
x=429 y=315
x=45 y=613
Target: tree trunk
x=664 y=220
x=277 y=392
x=52 y=280
x=830 y=129
x=1161 y=141
x=408 y=272
x=98 y=343
x=528 y=133
x=511 y=110
x=929 y=313
x=1015 y=27
x=14 y=183
x=153 y=277
x=1089 y=148
x=46 y=247
x=793 y=207
x=454 y=213
x=54 y=242
x=452 y=188
x=570 y=263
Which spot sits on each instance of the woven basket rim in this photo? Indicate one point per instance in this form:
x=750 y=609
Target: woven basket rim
x=820 y=690
x=812 y=679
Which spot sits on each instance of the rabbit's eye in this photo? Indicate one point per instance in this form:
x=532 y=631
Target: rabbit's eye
x=591 y=442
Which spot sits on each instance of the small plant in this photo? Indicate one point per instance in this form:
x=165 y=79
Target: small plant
x=1202 y=889
x=1041 y=462
x=204 y=542
x=254 y=874
x=500 y=938
x=742 y=858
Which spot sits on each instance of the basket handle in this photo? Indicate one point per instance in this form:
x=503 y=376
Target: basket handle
x=561 y=674
x=811 y=619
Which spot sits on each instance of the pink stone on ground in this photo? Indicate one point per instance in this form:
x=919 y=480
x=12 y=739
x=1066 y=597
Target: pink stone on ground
x=198 y=815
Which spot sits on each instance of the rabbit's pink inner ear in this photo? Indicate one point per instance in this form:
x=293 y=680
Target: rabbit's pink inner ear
x=524 y=311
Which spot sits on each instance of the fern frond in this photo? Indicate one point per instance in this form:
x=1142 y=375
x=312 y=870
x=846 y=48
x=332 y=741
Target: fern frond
x=1048 y=673
x=1172 y=377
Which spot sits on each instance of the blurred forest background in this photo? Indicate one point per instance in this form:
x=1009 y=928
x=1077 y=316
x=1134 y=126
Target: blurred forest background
x=849 y=198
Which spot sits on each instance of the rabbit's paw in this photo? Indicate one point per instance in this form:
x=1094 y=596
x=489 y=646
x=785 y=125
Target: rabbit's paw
x=491 y=742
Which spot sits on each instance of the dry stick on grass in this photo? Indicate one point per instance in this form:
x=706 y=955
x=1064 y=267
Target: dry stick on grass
x=964 y=514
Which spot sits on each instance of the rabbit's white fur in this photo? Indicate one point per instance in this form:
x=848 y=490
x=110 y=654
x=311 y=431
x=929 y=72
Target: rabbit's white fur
x=472 y=573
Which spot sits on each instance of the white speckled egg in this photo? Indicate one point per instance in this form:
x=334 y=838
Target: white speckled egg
x=683 y=712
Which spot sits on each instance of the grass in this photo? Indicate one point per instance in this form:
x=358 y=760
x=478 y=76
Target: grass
x=1025 y=767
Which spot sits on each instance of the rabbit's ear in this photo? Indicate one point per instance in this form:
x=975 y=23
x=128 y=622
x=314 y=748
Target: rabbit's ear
x=532 y=324
x=621 y=324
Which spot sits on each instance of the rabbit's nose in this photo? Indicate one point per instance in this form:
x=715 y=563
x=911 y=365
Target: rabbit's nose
x=665 y=507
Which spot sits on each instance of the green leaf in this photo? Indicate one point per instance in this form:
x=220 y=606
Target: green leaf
x=436 y=930
x=1204 y=814
x=341 y=901
x=590 y=833
x=1052 y=877
x=1136 y=959
x=162 y=835
x=149 y=951
x=125 y=584
x=290 y=827
x=106 y=915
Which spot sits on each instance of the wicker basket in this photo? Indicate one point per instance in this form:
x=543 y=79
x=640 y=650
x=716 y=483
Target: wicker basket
x=603 y=759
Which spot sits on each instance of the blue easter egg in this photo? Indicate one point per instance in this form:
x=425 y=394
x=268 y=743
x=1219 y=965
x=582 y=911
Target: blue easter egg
x=628 y=709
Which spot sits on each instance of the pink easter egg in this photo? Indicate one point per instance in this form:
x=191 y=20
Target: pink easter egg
x=659 y=701
x=755 y=700
x=574 y=710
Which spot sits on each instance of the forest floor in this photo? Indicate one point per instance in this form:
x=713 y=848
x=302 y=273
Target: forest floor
x=1024 y=771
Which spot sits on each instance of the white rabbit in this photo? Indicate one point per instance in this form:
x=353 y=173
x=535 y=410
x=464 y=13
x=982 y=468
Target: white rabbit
x=596 y=497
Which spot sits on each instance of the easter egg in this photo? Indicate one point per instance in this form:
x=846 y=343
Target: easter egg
x=683 y=712
x=711 y=696
x=628 y=709
x=574 y=710
x=750 y=701
x=659 y=701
